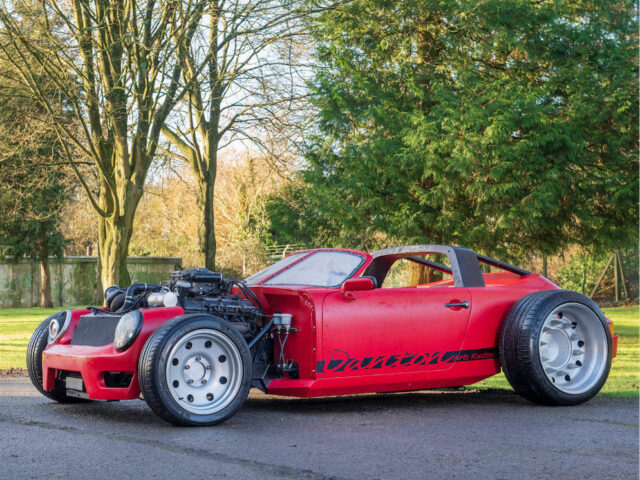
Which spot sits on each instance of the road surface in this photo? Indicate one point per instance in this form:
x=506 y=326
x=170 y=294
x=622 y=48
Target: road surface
x=392 y=436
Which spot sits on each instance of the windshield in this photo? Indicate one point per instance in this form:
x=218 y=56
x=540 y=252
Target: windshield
x=318 y=269
x=276 y=267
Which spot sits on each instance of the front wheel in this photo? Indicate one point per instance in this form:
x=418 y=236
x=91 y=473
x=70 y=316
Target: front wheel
x=37 y=344
x=555 y=348
x=195 y=370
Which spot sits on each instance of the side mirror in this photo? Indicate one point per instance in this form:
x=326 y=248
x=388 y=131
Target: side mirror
x=357 y=284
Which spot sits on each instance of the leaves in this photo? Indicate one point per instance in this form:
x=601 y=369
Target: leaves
x=496 y=125
x=33 y=188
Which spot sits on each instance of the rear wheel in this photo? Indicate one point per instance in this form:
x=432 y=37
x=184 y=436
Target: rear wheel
x=195 y=370
x=37 y=344
x=555 y=348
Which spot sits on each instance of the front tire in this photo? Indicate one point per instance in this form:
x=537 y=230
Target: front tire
x=37 y=344
x=555 y=348
x=195 y=370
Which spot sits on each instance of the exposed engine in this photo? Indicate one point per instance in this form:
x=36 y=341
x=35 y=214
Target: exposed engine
x=195 y=290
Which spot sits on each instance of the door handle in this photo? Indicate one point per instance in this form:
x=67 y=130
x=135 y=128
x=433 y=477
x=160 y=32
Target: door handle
x=457 y=304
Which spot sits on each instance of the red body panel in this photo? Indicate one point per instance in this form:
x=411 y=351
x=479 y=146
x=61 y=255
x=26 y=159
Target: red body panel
x=93 y=362
x=374 y=341
x=406 y=339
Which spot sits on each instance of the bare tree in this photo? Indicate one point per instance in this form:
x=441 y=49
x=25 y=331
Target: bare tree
x=248 y=89
x=122 y=57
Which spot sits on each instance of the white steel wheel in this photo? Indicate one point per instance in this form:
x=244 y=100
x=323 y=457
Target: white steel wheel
x=204 y=371
x=556 y=347
x=195 y=370
x=573 y=348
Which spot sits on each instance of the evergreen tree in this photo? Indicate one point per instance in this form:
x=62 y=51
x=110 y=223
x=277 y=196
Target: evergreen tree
x=508 y=126
x=32 y=187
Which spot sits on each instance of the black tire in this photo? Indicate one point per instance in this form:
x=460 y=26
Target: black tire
x=37 y=344
x=520 y=347
x=155 y=357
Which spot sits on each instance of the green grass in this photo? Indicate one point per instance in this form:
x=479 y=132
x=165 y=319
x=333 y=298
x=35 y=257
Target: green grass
x=624 y=376
x=17 y=325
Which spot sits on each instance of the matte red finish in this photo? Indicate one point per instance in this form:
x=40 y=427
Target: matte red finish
x=373 y=340
x=357 y=284
x=93 y=362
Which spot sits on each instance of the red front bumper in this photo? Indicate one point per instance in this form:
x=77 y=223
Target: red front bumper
x=92 y=363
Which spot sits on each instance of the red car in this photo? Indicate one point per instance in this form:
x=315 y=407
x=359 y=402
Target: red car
x=326 y=322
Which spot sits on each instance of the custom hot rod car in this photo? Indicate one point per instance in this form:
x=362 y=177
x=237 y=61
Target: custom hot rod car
x=326 y=322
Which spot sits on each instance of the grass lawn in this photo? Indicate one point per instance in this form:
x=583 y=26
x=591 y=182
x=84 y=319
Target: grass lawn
x=17 y=325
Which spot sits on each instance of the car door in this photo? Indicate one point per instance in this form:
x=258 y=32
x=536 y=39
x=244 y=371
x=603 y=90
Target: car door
x=388 y=330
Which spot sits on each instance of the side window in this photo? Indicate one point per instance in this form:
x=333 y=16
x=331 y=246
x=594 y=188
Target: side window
x=408 y=273
x=399 y=275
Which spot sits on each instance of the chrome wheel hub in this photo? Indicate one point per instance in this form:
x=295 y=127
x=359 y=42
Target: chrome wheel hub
x=204 y=371
x=556 y=347
x=573 y=348
x=196 y=369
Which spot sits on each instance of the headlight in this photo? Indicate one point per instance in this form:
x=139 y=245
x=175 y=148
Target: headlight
x=127 y=330
x=58 y=325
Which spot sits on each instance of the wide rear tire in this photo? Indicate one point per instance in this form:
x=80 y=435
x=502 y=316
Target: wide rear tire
x=555 y=348
x=195 y=370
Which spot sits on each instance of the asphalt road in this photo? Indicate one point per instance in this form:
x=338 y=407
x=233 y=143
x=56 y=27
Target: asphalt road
x=404 y=436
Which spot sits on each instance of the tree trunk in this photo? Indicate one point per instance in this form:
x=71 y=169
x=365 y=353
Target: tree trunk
x=207 y=232
x=45 y=283
x=208 y=236
x=45 y=274
x=206 y=172
x=114 y=235
x=419 y=274
x=98 y=295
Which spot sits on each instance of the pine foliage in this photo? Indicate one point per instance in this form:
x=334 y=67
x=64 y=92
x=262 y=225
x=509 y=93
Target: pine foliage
x=503 y=125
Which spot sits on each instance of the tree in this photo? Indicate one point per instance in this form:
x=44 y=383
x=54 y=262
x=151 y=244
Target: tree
x=33 y=187
x=247 y=89
x=507 y=126
x=33 y=176
x=117 y=64
x=29 y=226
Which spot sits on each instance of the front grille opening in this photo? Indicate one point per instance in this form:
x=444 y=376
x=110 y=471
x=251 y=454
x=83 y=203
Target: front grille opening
x=95 y=330
x=117 y=379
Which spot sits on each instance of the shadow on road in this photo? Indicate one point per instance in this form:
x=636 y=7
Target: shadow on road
x=136 y=411
x=382 y=401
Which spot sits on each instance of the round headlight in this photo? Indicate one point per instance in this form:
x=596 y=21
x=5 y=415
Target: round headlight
x=58 y=325
x=54 y=328
x=127 y=330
